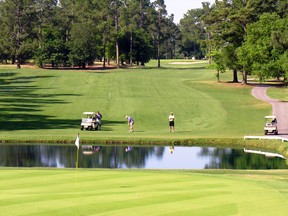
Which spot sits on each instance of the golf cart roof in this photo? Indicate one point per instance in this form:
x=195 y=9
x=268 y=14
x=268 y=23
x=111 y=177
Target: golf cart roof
x=88 y=113
x=87 y=150
x=270 y=117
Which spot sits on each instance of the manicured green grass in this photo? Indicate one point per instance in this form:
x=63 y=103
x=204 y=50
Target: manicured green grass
x=47 y=104
x=279 y=93
x=142 y=192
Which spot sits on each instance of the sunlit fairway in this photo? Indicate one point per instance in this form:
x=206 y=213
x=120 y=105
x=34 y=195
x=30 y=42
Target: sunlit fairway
x=135 y=192
x=41 y=104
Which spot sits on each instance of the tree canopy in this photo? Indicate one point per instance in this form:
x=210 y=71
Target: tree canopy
x=247 y=36
x=78 y=32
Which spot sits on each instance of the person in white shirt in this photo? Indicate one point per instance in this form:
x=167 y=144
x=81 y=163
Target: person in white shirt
x=171 y=122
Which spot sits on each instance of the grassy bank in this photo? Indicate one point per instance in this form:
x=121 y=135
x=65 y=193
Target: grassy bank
x=142 y=192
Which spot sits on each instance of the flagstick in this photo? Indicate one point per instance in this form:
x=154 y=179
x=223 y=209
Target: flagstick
x=77 y=165
x=77 y=159
x=77 y=143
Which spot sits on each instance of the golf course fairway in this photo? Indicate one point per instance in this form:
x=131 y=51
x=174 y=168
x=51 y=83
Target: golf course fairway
x=42 y=105
x=142 y=192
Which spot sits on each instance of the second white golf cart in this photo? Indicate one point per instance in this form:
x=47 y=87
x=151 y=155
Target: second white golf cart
x=270 y=125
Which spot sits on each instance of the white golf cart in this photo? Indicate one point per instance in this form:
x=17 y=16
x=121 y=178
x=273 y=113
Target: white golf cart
x=89 y=121
x=89 y=149
x=270 y=125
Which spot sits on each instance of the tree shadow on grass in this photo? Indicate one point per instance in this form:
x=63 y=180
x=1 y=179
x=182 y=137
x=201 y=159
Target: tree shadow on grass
x=43 y=122
x=37 y=122
x=20 y=104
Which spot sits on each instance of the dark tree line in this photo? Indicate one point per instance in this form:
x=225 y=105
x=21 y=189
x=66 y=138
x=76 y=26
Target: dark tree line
x=78 y=32
x=247 y=36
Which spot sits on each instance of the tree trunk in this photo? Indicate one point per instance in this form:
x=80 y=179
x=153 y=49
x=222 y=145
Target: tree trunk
x=117 y=53
x=244 y=79
x=235 y=76
x=18 y=63
x=104 y=52
x=158 y=59
x=131 y=48
x=117 y=31
x=18 y=40
x=83 y=65
x=158 y=39
x=209 y=49
x=158 y=53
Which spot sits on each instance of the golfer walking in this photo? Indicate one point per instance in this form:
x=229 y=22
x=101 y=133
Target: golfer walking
x=171 y=122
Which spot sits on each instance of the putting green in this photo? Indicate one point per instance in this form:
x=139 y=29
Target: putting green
x=142 y=192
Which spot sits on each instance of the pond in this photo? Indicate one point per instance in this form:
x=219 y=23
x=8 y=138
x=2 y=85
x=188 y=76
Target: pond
x=124 y=157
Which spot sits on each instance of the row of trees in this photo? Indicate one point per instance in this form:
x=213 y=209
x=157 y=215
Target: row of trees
x=77 y=32
x=250 y=36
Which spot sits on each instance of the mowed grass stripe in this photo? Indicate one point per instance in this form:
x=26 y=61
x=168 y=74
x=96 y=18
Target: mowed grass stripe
x=135 y=192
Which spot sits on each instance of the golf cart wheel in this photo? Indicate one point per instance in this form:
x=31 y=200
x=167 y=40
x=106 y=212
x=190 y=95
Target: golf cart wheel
x=82 y=127
x=265 y=132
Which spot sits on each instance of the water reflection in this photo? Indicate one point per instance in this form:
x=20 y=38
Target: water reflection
x=267 y=154
x=159 y=157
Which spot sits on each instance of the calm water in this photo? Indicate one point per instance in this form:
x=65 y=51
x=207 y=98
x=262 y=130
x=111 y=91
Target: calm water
x=134 y=157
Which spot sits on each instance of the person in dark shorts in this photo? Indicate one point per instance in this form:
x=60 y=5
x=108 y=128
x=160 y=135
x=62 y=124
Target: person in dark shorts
x=98 y=120
x=171 y=122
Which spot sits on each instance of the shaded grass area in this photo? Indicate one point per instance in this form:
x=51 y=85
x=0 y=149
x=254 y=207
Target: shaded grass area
x=142 y=192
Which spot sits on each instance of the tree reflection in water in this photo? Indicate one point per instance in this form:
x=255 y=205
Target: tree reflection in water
x=237 y=159
x=132 y=157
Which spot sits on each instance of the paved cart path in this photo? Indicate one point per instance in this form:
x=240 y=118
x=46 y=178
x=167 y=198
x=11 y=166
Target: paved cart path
x=279 y=109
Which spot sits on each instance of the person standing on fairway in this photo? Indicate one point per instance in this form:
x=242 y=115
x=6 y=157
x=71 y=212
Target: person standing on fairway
x=130 y=123
x=171 y=122
x=98 y=119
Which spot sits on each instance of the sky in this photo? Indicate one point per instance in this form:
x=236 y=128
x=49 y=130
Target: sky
x=180 y=7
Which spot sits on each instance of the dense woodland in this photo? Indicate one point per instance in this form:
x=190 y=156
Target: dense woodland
x=247 y=36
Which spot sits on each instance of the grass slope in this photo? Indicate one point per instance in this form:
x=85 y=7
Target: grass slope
x=279 y=93
x=47 y=104
x=142 y=192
